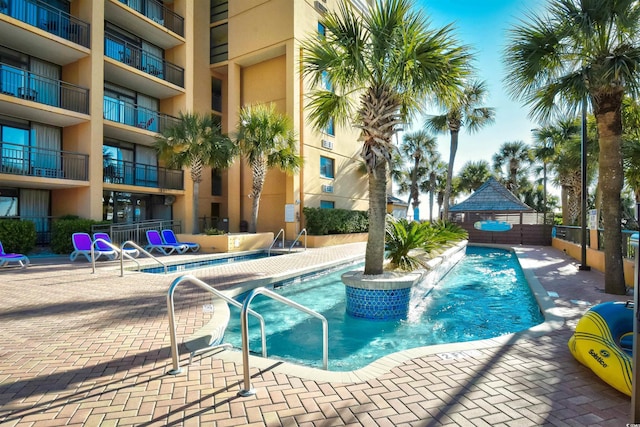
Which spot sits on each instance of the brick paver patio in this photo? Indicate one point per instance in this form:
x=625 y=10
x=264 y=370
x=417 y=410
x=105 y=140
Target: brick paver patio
x=87 y=349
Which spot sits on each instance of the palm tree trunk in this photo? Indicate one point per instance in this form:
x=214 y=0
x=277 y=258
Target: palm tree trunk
x=607 y=111
x=374 y=255
x=452 y=157
x=196 y=205
x=259 y=169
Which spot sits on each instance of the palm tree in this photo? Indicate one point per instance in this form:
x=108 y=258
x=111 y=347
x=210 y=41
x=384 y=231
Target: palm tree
x=196 y=142
x=437 y=177
x=631 y=145
x=576 y=51
x=419 y=146
x=473 y=175
x=267 y=140
x=391 y=60
x=514 y=155
x=463 y=111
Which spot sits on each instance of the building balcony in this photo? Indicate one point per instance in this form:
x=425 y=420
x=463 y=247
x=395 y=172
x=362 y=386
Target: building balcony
x=18 y=85
x=149 y=19
x=168 y=78
x=38 y=162
x=73 y=35
x=141 y=175
x=130 y=122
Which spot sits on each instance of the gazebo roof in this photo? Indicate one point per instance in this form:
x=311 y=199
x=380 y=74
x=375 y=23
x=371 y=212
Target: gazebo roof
x=491 y=196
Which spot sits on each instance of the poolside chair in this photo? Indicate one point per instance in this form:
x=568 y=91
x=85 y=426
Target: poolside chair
x=132 y=252
x=82 y=243
x=170 y=239
x=156 y=243
x=6 y=258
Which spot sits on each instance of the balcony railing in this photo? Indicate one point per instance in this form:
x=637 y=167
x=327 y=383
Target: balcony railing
x=48 y=18
x=160 y=14
x=116 y=110
x=33 y=87
x=130 y=173
x=134 y=56
x=18 y=159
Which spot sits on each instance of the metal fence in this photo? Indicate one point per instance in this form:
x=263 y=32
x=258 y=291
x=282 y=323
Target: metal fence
x=573 y=234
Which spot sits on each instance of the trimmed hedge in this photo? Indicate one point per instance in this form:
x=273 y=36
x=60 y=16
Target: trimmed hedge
x=321 y=222
x=18 y=235
x=63 y=228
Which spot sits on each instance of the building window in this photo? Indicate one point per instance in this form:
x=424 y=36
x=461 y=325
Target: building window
x=219 y=40
x=330 y=129
x=219 y=10
x=325 y=204
x=322 y=31
x=216 y=95
x=216 y=182
x=326 y=167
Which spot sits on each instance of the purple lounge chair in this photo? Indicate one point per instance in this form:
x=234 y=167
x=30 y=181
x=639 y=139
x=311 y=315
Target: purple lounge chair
x=156 y=243
x=82 y=244
x=98 y=237
x=170 y=239
x=6 y=258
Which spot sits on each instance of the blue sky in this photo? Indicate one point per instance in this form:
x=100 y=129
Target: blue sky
x=483 y=25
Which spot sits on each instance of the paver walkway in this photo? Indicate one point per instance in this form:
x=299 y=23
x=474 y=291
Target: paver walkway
x=87 y=349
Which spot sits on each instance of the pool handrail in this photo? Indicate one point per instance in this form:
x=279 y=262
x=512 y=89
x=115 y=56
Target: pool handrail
x=171 y=311
x=304 y=230
x=112 y=246
x=275 y=240
x=141 y=250
x=244 y=327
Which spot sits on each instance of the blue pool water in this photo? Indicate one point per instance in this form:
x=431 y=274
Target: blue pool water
x=485 y=295
x=192 y=265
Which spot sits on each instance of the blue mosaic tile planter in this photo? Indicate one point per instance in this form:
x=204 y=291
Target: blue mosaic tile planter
x=378 y=304
x=380 y=297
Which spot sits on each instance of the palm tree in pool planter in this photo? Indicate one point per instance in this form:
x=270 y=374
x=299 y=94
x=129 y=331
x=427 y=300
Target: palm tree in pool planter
x=574 y=51
x=195 y=142
x=374 y=71
x=267 y=140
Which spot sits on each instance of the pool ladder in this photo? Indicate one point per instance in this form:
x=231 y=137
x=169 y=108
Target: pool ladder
x=123 y=254
x=244 y=325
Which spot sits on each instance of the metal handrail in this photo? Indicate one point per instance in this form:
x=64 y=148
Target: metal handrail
x=109 y=244
x=172 y=325
x=275 y=240
x=304 y=230
x=139 y=248
x=244 y=326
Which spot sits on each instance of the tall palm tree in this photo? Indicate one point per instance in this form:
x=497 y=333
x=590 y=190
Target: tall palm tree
x=437 y=174
x=196 y=142
x=577 y=50
x=516 y=157
x=631 y=145
x=463 y=111
x=388 y=60
x=419 y=146
x=267 y=140
x=473 y=175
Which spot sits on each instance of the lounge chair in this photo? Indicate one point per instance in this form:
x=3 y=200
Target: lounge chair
x=170 y=238
x=132 y=252
x=156 y=243
x=6 y=258
x=82 y=243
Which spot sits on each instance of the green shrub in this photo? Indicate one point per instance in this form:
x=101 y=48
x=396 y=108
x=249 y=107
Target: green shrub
x=64 y=227
x=17 y=235
x=214 y=232
x=320 y=222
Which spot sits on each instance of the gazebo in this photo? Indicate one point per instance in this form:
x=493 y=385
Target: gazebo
x=492 y=201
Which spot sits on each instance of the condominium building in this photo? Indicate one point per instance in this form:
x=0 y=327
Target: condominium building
x=86 y=85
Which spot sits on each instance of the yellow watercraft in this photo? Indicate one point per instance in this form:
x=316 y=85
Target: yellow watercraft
x=603 y=342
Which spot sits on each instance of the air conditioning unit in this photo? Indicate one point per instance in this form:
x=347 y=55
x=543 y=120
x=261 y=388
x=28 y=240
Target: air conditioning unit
x=327 y=188
x=320 y=7
x=327 y=144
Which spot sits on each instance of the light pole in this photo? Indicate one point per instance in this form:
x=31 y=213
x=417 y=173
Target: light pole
x=583 y=157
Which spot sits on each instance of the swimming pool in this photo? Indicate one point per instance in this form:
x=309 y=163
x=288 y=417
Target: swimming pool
x=192 y=265
x=484 y=296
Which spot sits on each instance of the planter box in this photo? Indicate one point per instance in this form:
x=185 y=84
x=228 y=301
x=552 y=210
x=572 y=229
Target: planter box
x=335 y=239
x=236 y=242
